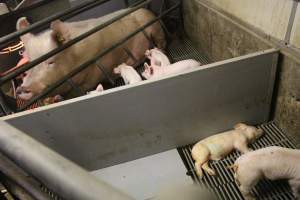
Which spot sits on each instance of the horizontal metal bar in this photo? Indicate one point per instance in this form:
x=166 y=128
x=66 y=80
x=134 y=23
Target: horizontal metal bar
x=62 y=15
x=59 y=174
x=33 y=63
x=13 y=172
x=93 y=60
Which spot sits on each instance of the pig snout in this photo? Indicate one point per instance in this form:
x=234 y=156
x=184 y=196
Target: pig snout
x=24 y=93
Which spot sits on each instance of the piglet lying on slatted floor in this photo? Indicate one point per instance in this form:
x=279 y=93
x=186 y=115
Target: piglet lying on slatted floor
x=273 y=163
x=218 y=146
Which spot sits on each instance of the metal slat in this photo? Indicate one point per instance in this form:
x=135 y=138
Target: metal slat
x=224 y=186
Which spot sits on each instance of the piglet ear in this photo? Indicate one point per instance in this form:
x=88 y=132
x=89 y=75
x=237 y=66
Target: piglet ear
x=147 y=67
x=240 y=126
x=60 y=32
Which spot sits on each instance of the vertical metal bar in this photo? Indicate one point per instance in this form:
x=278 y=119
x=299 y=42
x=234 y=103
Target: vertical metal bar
x=152 y=45
x=59 y=174
x=3 y=103
x=102 y=68
x=130 y=54
x=76 y=87
x=291 y=22
x=126 y=2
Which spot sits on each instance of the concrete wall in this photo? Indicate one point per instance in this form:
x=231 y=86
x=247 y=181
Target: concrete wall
x=271 y=16
x=230 y=28
x=295 y=36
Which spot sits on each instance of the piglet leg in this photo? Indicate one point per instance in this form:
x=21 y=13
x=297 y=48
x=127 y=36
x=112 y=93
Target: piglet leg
x=245 y=190
x=209 y=170
x=201 y=155
x=295 y=185
x=242 y=147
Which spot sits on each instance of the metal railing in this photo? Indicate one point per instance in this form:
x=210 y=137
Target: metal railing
x=61 y=175
x=68 y=14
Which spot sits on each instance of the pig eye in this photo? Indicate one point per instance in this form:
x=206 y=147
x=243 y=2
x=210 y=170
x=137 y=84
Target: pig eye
x=51 y=63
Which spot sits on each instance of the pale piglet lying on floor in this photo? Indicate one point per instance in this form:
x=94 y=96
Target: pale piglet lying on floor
x=154 y=72
x=98 y=89
x=218 y=146
x=128 y=73
x=157 y=58
x=272 y=163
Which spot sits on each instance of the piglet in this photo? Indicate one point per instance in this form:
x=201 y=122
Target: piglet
x=157 y=57
x=128 y=73
x=272 y=163
x=98 y=89
x=218 y=146
x=154 y=72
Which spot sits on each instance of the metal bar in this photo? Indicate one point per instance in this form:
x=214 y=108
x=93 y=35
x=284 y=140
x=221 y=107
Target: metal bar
x=126 y=2
x=30 y=65
x=13 y=172
x=291 y=22
x=21 y=10
x=59 y=174
x=102 y=68
x=148 y=38
x=64 y=15
x=75 y=87
x=16 y=190
x=3 y=103
x=130 y=54
x=94 y=60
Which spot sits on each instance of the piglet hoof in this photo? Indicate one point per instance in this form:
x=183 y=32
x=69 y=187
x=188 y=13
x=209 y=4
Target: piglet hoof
x=211 y=172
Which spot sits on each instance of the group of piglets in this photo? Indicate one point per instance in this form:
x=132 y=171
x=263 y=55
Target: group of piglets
x=273 y=163
x=160 y=66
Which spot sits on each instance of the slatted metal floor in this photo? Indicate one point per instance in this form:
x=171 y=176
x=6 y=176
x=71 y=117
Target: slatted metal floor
x=224 y=186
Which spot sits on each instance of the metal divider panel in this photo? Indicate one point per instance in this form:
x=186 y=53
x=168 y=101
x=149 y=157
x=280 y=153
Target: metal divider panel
x=135 y=121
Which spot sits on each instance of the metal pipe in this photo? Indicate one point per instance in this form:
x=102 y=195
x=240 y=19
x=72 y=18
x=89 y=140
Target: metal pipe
x=94 y=60
x=65 y=178
x=17 y=175
x=62 y=15
x=37 y=61
x=16 y=190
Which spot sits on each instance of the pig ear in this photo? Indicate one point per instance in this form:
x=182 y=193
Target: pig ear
x=22 y=24
x=60 y=31
x=240 y=126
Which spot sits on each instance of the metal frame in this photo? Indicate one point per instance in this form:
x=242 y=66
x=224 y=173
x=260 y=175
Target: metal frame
x=93 y=60
x=68 y=14
x=64 y=177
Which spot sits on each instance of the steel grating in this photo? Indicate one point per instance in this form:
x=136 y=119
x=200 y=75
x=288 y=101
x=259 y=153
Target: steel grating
x=224 y=185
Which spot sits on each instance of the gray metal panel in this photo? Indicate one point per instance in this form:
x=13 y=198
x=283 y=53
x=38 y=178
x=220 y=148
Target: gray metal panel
x=135 y=121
